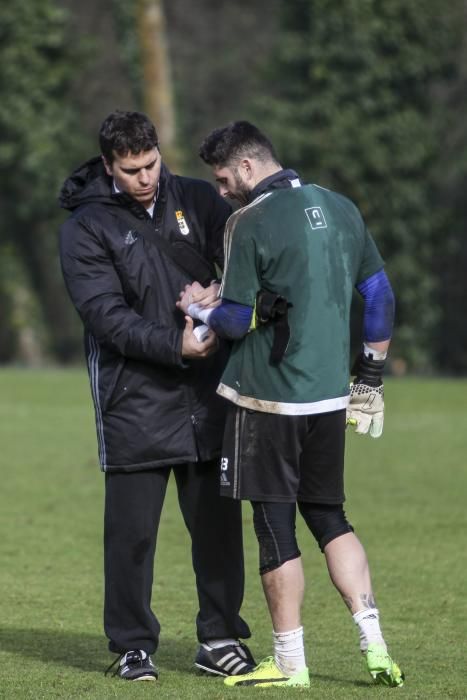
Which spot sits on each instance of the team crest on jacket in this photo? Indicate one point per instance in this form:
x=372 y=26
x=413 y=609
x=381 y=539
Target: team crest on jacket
x=182 y=224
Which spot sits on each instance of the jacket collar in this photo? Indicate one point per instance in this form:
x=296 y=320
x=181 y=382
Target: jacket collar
x=280 y=180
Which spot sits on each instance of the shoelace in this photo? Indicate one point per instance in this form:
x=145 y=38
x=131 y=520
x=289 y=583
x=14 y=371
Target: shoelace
x=115 y=661
x=265 y=662
x=135 y=661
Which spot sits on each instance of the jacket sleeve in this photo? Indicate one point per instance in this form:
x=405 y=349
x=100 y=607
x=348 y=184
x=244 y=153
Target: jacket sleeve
x=96 y=292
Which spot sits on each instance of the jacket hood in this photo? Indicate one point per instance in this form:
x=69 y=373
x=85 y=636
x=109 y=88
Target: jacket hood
x=88 y=183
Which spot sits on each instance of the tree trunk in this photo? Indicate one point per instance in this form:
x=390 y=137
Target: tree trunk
x=158 y=89
x=42 y=266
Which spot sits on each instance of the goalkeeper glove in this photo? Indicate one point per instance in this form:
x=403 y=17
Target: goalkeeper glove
x=366 y=404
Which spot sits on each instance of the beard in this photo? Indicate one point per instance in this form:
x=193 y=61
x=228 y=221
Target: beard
x=242 y=193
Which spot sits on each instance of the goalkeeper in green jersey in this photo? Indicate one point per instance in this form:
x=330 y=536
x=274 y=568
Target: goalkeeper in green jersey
x=294 y=253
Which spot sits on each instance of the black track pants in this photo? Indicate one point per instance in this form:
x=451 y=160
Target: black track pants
x=133 y=505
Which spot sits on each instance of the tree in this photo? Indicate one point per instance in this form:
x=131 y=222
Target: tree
x=351 y=109
x=35 y=128
x=218 y=52
x=450 y=261
x=157 y=78
x=364 y=97
x=62 y=72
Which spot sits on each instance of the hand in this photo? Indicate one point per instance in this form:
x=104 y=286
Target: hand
x=366 y=409
x=207 y=297
x=186 y=298
x=192 y=348
x=196 y=294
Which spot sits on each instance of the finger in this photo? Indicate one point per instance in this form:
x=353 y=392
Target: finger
x=189 y=324
x=376 y=428
x=351 y=417
x=209 y=343
x=211 y=337
x=358 y=420
x=202 y=295
x=363 y=425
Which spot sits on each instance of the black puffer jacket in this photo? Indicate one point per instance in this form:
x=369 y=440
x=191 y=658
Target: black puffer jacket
x=152 y=407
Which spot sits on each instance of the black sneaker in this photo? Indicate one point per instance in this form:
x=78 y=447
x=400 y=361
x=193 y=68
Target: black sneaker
x=229 y=660
x=135 y=665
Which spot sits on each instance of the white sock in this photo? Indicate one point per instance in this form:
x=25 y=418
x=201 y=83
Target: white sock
x=218 y=643
x=289 y=652
x=368 y=625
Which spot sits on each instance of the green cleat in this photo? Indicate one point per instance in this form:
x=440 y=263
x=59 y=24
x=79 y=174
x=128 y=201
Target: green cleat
x=267 y=675
x=382 y=668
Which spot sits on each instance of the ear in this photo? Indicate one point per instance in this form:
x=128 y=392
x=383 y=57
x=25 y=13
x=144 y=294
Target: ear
x=107 y=166
x=247 y=167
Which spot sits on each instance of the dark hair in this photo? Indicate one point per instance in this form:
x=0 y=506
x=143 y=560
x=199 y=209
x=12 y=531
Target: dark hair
x=237 y=140
x=126 y=132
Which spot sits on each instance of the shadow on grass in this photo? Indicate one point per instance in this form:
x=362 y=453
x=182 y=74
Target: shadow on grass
x=78 y=650
x=87 y=652
x=335 y=679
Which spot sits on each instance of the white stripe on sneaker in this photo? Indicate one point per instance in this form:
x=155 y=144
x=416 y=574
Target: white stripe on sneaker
x=223 y=661
x=235 y=662
x=235 y=671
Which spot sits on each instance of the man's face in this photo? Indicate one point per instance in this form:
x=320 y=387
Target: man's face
x=233 y=182
x=137 y=175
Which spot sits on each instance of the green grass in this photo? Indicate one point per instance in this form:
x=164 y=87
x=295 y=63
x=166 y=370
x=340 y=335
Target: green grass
x=406 y=499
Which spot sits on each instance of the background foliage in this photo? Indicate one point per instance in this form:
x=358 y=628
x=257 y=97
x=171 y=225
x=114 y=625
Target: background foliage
x=366 y=98
x=367 y=125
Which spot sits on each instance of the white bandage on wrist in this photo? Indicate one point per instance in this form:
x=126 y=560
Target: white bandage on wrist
x=201 y=332
x=199 y=312
x=377 y=355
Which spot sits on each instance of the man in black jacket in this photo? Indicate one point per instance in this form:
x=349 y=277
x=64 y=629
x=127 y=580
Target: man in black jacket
x=153 y=386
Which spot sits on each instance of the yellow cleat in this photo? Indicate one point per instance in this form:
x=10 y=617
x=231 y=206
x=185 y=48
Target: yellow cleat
x=382 y=668
x=268 y=675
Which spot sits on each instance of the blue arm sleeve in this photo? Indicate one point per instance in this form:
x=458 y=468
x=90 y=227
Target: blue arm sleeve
x=378 y=319
x=231 y=320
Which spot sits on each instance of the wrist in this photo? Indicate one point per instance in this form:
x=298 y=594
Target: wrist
x=199 y=312
x=367 y=369
x=373 y=353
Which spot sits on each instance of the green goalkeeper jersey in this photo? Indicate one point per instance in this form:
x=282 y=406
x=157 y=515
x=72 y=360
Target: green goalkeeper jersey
x=311 y=246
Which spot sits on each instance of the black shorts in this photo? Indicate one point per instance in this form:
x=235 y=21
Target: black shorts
x=278 y=458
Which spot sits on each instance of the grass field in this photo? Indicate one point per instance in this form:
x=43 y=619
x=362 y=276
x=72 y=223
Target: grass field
x=406 y=499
